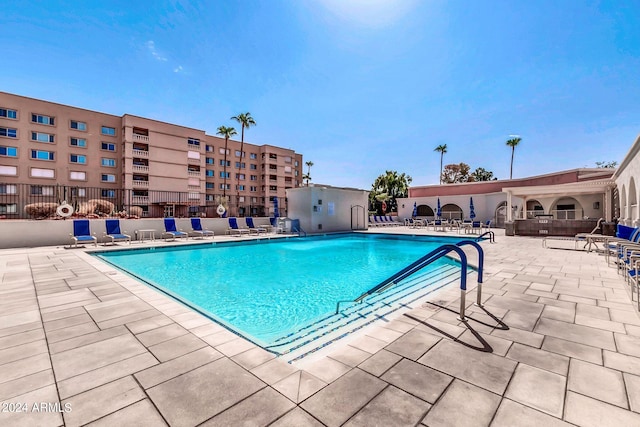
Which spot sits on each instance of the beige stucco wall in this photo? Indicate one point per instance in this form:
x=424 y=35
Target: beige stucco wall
x=626 y=177
x=323 y=209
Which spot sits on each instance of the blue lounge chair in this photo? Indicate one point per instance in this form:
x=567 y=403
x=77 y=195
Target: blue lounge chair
x=171 y=231
x=113 y=232
x=82 y=233
x=274 y=225
x=196 y=228
x=234 y=229
x=253 y=228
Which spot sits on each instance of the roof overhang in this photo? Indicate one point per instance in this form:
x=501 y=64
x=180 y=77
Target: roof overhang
x=571 y=189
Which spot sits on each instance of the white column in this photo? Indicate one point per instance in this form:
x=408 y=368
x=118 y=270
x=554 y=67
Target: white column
x=608 y=198
x=509 y=209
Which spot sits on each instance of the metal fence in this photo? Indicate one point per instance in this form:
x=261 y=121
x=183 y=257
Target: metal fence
x=31 y=201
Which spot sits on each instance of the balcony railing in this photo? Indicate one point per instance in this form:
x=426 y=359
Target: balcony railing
x=140 y=168
x=140 y=200
x=195 y=173
x=196 y=161
x=140 y=153
x=140 y=184
x=142 y=138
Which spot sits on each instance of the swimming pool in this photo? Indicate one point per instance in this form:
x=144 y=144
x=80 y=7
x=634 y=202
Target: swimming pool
x=269 y=289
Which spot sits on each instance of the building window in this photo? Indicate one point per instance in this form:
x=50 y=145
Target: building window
x=193 y=141
x=43 y=137
x=107 y=177
x=296 y=173
x=109 y=163
x=43 y=173
x=240 y=176
x=253 y=156
x=78 y=192
x=108 y=147
x=225 y=174
x=9 y=132
x=209 y=172
x=253 y=188
x=209 y=186
x=296 y=163
x=225 y=186
x=8 y=113
x=78 y=158
x=240 y=187
x=42 y=155
x=106 y=130
x=221 y=151
x=253 y=177
x=42 y=119
x=8 y=189
x=193 y=155
x=78 y=176
x=273 y=167
x=238 y=154
x=8 y=208
x=222 y=162
x=78 y=125
x=273 y=156
x=79 y=142
x=209 y=148
x=273 y=188
x=8 y=170
x=39 y=190
x=209 y=198
x=8 y=151
x=108 y=193
x=240 y=165
x=253 y=167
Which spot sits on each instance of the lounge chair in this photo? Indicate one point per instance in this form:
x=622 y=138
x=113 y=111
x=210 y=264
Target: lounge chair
x=113 y=232
x=438 y=224
x=372 y=222
x=170 y=230
x=378 y=219
x=253 y=228
x=393 y=220
x=476 y=227
x=197 y=230
x=82 y=233
x=234 y=229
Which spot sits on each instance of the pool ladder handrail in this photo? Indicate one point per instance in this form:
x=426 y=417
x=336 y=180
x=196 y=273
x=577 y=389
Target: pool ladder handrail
x=492 y=236
x=424 y=261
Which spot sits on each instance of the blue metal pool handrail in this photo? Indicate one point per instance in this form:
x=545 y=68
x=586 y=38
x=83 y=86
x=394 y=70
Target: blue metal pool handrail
x=428 y=259
x=492 y=236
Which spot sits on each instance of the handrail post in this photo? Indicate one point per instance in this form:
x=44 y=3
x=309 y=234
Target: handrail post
x=480 y=267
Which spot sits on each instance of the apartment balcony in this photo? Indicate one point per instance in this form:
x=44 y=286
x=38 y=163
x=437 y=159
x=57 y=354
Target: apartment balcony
x=140 y=200
x=140 y=138
x=140 y=168
x=195 y=173
x=140 y=153
x=194 y=187
x=140 y=184
x=193 y=161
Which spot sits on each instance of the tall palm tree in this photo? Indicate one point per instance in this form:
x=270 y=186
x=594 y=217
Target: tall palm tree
x=227 y=132
x=513 y=143
x=246 y=121
x=308 y=175
x=441 y=149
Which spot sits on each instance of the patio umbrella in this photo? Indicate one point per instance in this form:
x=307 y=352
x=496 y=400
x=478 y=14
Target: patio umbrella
x=472 y=213
x=276 y=214
x=415 y=210
x=438 y=209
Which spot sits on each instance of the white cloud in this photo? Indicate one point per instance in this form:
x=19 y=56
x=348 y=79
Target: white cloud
x=178 y=69
x=152 y=49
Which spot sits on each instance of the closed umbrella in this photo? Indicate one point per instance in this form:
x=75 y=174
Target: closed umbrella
x=415 y=210
x=276 y=214
x=472 y=213
x=439 y=209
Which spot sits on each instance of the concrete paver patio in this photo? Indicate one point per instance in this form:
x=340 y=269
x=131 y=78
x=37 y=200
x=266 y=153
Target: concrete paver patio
x=556 y=343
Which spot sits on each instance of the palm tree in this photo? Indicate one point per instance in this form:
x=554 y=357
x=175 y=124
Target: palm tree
x=306 y=177
x=246 y=121
x=389 y=187
x=513 y=143
x=308 y=174
x=441 y=149
x=227 y=132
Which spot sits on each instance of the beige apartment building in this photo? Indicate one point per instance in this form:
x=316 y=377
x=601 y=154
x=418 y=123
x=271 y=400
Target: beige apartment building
x=53 y=152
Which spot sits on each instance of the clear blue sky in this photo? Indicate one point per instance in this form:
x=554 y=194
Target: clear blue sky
x=358 y=86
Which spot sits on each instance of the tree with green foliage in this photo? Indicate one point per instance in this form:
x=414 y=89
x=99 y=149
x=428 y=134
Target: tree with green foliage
x=441 y=149
x=453 y=174
x=481 y=174
x=388 y=187
x=608 y=165
x=226 y=132
x=513 y=143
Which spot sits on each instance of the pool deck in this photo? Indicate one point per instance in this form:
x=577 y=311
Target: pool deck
x=557 y=343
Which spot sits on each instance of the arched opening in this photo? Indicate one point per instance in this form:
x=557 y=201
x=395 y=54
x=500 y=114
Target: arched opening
x=501 y=214
x=451 y=211
x=567 y=208
x=425 y=210
x=632 y=200
x=534 y=209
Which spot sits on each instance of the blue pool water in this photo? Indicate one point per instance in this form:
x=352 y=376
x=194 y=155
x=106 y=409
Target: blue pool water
x=267 y=288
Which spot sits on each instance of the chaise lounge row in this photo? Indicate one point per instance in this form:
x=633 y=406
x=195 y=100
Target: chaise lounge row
x=383 y=221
